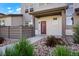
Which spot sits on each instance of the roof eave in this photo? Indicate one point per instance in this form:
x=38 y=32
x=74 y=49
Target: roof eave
x=54 y=10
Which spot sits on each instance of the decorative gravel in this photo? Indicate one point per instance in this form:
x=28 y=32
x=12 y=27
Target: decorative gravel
x=74 y=47
x=41 y=49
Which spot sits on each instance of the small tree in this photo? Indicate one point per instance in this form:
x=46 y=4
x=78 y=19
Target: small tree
x=76 y=34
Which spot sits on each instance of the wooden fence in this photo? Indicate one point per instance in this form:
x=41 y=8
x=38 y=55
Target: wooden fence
x=16 y=32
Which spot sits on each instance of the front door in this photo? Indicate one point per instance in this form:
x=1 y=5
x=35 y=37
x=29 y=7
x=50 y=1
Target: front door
x=43 y=27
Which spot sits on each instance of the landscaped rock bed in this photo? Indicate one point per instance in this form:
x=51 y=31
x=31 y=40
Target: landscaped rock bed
x=41 y=49
x=8 y=41
x=74 y=47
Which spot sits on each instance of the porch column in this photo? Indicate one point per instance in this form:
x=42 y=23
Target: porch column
x=74 y=19
x=33 y=25
x=63 y=23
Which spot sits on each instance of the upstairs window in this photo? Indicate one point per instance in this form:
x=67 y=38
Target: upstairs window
x=31 y=9
x=26 y=11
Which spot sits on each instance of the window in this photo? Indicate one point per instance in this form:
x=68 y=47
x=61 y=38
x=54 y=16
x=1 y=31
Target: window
x=54 y=18
x=26 y=11
x=69 y=21
x=3 y=23
x=70 y=10
x=31 y=9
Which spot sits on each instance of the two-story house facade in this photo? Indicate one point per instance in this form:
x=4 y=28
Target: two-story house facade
x=51 y=18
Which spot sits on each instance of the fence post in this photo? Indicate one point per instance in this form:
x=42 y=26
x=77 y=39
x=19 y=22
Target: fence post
x=21 y=32
x=9 y=32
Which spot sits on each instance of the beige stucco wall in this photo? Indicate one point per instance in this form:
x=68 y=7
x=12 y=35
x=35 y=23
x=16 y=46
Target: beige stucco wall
x=76 y=21
x=76 y=5
x=7 y=20
x=36 y=6
x=39 y=7
x=54 y=27
x=16 y=20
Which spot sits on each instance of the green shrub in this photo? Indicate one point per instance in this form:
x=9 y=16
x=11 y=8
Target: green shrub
x=9 y=52
x=76 y=34
x=61 y=51
x=52 y=41
x=75 y=53
x=64 y=51
x=23 y=48
x=1 y=53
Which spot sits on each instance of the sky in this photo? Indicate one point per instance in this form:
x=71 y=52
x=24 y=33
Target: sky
x=10 y=8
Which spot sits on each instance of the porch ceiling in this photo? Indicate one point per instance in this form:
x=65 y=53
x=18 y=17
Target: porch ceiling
x=48 y=12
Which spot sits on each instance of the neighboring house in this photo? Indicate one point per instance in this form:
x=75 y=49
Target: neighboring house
x=51 y=18
x=11 y=19
x=11 y=26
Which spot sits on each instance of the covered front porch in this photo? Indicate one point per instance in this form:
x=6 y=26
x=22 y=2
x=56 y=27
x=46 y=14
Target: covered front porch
x=50 y=21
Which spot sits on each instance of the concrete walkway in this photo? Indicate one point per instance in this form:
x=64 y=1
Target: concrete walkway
x=36 y=38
